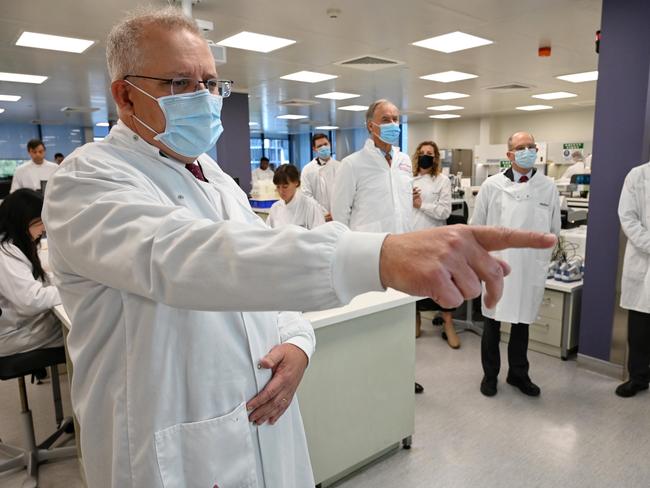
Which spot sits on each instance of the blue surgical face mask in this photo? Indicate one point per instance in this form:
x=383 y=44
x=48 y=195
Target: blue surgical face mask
x=526 y=158
x=324 y=152
x=192 y=121
x=389 y=133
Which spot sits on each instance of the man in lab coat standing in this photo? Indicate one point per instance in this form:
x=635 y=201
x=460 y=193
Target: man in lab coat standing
x=184 y=373
x=373 y=191
x=634 y=213
x=31 y=173
x=520 y=198
x=317 y=177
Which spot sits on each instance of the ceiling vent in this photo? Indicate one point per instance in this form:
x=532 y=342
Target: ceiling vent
x=297 y=102
x=509 y=87
x=369 y=63
x=79 y=110
x=218 y=52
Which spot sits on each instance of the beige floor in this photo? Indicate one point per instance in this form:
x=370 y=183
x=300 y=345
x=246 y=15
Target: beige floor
x=577 y=434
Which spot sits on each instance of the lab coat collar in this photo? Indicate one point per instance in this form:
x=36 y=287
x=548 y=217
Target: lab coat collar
x=370 y=147
x=510 y=174
x=294 y=201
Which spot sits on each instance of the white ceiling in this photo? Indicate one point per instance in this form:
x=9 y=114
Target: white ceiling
x=379 y=28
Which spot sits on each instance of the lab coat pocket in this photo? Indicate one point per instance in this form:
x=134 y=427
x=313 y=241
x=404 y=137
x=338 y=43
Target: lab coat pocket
x=210 y=453
x=542 y=219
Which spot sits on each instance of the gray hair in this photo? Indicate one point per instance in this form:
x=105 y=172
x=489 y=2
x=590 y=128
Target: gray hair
x=123 y=51
x=513 y=135
x=370 y=113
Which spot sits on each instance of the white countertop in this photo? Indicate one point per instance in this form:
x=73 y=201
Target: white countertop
x=563 y=287
x=361 y=305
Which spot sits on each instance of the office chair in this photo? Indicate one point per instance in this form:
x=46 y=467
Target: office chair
x=32 y=455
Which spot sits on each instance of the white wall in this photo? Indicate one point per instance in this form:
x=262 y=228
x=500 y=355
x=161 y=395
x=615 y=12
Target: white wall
x=573 y=126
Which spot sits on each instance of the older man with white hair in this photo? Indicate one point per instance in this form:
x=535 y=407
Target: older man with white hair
x=184 y=373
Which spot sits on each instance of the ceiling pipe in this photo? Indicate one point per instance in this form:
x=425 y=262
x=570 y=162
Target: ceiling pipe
x=186 y=5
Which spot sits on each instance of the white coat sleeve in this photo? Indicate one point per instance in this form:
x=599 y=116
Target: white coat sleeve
x=114 y=231
x=630 y=215
x=16 y=182
x=344 y=192
x=440 y=210
x=306 y=183
x=556 y=216
x=29 y=295
x=297 y=330
x=479 y=217
x=270 y=220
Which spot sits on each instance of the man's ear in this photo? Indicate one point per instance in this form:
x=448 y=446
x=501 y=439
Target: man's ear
x=121 y=95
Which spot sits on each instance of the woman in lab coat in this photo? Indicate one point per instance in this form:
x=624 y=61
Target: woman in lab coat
x=294 y=207
x=431 y=208
x=26 y=296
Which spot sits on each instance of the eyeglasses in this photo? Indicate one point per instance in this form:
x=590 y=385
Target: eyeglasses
x=525 y=146
x=179 y=86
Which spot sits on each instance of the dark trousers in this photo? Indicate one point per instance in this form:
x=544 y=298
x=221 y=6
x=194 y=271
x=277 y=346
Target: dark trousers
x=517 y=349
x=638 y=339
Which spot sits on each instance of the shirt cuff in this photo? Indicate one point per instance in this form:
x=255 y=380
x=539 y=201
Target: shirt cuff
x=303 y=343
x=356 y=264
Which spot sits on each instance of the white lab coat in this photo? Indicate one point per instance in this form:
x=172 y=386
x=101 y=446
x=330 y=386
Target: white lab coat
x=578 y=168
x=634 y=213
x=27 y=322
x=29 y=175
x=302 y=210
x=262 y=174
x=370 y=195
x=534 y=206
x=436 y=201
x=317 y=181
x=170 y=284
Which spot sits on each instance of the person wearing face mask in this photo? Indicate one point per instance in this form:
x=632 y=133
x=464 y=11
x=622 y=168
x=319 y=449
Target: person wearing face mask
x=317 y=177
x=294 y=207
x=520 y=198
x=432 y=208
x=373 y=191
x=26 y=295
x=186 y=348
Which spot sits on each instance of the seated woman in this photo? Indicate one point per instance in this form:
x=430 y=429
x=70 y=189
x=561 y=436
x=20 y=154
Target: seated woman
x=294 y=207
x=432 y=208
x=26 y=296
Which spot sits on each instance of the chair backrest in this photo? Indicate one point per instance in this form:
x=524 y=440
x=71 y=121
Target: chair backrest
x=26 y=363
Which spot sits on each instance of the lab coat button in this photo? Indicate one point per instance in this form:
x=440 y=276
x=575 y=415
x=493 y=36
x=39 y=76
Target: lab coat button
x=181 y=197
x=135 y=138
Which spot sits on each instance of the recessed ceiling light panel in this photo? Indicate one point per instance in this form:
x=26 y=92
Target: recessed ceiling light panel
x=9 y=98
x=337 y=95
x=291 y=117
x=530 y=108
x=444 y=116
x=445 y=108
x=449 y=76
x=452 y=42
x=354 y=108
x=53 y=43
x=327 y=127
x=579 y=77
x=447 y=95
x=20 y=78
x=251 y=41
x=555 y=95
x=308 y=77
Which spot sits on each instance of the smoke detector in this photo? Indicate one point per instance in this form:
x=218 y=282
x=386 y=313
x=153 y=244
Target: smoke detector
x=333 y=13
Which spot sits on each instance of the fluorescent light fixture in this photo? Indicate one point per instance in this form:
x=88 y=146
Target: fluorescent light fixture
x=251 y=124
x=447 y=95
x=291 y=117
x=530 y=108
x=445 y=108
x=308 y=77
x=98 y=139
x=452 y=42
x=2 y=110
x=19 y=78
x=448 y=76
x=580 y=77
x=337 y=95
x=354 y=108
x=102 y=124
x=327 y=127
x=251 y=41
x=9 y=98
x=53 y=43
x=555 y=95
x=444 y=116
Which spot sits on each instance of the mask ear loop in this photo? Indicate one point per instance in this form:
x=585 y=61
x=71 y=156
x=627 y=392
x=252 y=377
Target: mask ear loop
x=135 y=116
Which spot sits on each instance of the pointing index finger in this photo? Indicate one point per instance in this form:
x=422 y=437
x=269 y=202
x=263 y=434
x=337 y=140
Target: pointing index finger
x=497 y=238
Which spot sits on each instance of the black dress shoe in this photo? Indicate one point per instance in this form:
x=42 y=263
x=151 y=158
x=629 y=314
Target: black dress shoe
x=418 y=388
x=524 y=384
x=489 y=386
x=630 y=388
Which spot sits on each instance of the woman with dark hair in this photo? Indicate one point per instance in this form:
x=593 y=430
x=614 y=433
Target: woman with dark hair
x=432 y=208
x=294 y=207
x=26 y=296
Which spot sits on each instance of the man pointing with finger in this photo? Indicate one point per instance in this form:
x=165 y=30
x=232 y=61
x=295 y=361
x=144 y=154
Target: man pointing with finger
x=519 y=198
x=187 y=354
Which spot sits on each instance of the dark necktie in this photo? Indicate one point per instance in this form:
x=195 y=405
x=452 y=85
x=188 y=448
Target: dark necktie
x=523 y=179
x=196 y=171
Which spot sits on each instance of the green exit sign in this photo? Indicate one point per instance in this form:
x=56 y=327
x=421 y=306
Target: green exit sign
x=504 y=163
x=573 y=145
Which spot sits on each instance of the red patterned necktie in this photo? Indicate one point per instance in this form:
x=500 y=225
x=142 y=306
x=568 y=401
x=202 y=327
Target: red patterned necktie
x=196 y=171
x=523 y=179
